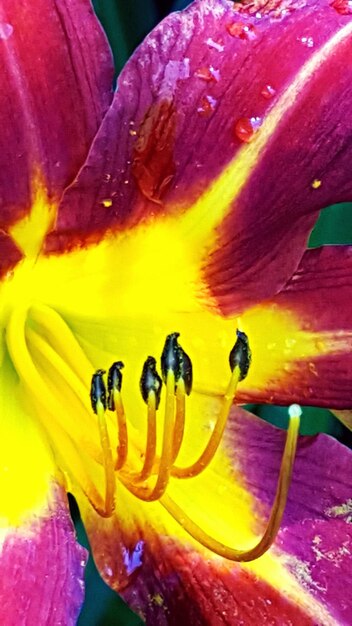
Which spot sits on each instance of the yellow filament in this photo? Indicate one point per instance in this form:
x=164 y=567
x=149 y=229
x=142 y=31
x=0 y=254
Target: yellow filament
x=62 y=340
x=42 y=394
x=163 y=473
x=122 y=448
x=276 y=514
x=49 y=354
x=109 y=470
x=216 y=436
x=179 y=419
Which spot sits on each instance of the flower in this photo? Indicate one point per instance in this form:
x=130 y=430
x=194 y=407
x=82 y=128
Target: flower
x=180 y=205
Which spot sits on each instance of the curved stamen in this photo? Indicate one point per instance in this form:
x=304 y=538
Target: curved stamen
x=179 y=419
x=163 y=472
x=215 y=439
x=275 y=518
x=115 y=404
x=150 y=453
x=98 y=398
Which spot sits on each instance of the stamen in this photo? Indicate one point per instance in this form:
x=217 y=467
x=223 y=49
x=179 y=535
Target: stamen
x=239 y=359
x=275 y=518
x=115 y=404
x=163 y=474
x=150 y=385
x=99 y=404
x=184 y=380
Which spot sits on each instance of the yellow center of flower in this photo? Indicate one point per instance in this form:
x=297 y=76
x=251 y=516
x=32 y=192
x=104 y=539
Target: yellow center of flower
x=66 y=315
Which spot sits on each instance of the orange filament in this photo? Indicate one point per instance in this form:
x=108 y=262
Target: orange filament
x=276 y=514
x=179 y=419
x=108 y=463
x=122 y=448
x=216 y=436
x=150 y=453
x=165 y=462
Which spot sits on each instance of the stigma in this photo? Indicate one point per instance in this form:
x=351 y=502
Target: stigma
x=165 y=395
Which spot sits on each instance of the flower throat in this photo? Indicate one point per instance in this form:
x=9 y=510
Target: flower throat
x=55 y=372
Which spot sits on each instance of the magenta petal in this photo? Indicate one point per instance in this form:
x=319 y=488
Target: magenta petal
x=202 y=92
x=319 y=296
x=55 y=89
x=316 y=534
x=41 y=570
x=170 y=581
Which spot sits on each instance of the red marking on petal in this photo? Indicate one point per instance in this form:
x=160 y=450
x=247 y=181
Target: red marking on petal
x=10 y=254
x=344 y=7
x=153 y=164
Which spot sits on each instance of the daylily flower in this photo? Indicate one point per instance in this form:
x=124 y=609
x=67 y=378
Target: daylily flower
x=181 y=204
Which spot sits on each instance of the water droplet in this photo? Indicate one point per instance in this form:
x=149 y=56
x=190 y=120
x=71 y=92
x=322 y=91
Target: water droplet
x=214 y=44
x=312 y=368
x=316 y=183
x=6 y=30
x=268 y=92
x=307 y=41
x=344 y=7
x=242 y=30
x=247 y=127
x=208 y=74
x=207 y=106
x=133 y=132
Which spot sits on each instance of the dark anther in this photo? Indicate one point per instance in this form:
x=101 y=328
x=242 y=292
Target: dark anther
x=170 y=356
x=150 y=381
x=241 y=355
x=97 y=390
x=114 y=382
x=185 y=370
x=175 y=359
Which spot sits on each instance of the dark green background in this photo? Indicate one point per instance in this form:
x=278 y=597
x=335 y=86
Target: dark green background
x=126 y=23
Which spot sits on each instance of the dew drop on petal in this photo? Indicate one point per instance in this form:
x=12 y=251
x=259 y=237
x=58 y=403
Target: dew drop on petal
x=214 y=44
x=268 y=92
x=344 y=7
x=209 y=74
x=307 y=41
x=6 y=30
x=207 y=106
x=242 y=30
x=246 y=128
